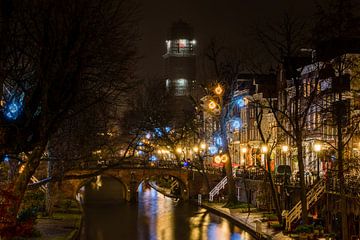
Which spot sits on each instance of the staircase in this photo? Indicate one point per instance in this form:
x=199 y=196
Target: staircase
x=215 y=191
x=35 y=180
x=174 y=184
x=312 y=197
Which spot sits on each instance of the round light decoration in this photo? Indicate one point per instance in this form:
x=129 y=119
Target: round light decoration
x=218 y=90
x=213 y=150
x=212 y=105
x=224 y=158
x=240 y=102
x=217 y=159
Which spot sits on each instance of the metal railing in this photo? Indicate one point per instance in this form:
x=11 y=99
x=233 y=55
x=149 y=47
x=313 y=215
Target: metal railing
x=35 y=180
x=312 y=197
x=215 y=191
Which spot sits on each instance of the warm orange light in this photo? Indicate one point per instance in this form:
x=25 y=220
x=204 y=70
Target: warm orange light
x=285 y=148
x=218 y=90
x=217 y=159
x=224 y=158
x=243 y=150
x=317 y=147
x=212 y=105
x=264 y=149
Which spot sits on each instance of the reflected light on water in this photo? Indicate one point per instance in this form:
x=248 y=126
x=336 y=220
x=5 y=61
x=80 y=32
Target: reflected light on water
x=154 y=217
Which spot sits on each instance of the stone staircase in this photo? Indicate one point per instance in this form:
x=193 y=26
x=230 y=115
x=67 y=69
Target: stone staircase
x=215 y=191
x=312 y=197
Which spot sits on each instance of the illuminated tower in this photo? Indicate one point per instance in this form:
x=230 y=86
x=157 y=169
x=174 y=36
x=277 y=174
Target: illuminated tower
x=180 y=65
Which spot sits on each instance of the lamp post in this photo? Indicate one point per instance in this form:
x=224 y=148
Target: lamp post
x=317 y=149
x=264 y=150
x=284 y=149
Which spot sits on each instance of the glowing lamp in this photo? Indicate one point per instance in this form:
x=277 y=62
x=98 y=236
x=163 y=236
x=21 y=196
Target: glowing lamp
x=212 y=105
x=218 y=90
x=285 y=148
x=213 y=150
x=202 y=145
x=217 y=159
x=224 y=158
x=178 y=150
x=317 y=147
x=195 y=149
x=244 y=150
x=240 y=102
x=264 y=149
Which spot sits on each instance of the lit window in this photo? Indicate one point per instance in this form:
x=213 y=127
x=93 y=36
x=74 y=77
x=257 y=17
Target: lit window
x=182 y=43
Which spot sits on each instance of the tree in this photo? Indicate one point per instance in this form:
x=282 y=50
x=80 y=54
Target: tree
x=283 y=42
x=266 y=127
x=226 y=66
x=55 y=52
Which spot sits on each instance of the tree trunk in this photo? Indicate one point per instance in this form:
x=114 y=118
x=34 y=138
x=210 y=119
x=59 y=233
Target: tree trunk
x=232 y=199
x=303 y=199
x=343 y=210
x=18 y=191
x=274 y=193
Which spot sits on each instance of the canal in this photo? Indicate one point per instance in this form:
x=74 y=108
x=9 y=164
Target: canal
x=155 y=217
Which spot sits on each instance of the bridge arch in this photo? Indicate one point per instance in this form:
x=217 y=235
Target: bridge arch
x=130 y=178
x=99 y=182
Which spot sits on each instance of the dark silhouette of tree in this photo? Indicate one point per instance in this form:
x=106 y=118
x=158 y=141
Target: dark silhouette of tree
x=54 y=53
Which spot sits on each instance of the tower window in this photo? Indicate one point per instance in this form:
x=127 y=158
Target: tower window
x=182 y=43
x=181 y=87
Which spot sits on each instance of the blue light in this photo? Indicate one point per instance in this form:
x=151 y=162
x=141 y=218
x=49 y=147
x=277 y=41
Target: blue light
x=167 y=129
x=12 y=110
x=6 y=158
x=13 y=106
x=218 y=141
x=140 y=152
x=186 y=164
x=158 y=132
x=213 y=150
x=153 y=158
x=235 y=124
x=240 y=102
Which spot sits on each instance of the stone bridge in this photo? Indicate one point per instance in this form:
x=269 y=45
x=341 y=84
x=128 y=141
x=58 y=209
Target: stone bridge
x=190 y=182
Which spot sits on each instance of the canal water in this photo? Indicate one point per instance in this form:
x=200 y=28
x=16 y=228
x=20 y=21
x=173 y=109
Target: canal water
x=154 y=217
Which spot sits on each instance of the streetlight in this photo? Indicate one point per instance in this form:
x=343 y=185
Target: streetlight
x=317 y=149
x=243 y=151
x=284 y=149
x=264 y=150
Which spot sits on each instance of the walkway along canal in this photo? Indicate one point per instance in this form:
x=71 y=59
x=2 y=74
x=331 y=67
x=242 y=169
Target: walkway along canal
x=155 y=217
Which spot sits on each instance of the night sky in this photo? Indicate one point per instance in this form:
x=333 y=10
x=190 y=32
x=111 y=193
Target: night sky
x=232 y=20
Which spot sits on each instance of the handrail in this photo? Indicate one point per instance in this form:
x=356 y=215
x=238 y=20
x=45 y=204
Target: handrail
x=215 y=191
x=312 y=197
x=35 y=180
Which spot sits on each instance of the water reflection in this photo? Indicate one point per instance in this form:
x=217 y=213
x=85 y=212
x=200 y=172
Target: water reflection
x=155 y=217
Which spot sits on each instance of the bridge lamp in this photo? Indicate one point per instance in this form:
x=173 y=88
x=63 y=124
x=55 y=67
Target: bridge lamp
x=195 y=149
x=203 y=146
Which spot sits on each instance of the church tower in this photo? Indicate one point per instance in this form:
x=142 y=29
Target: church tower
x=180 y=67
